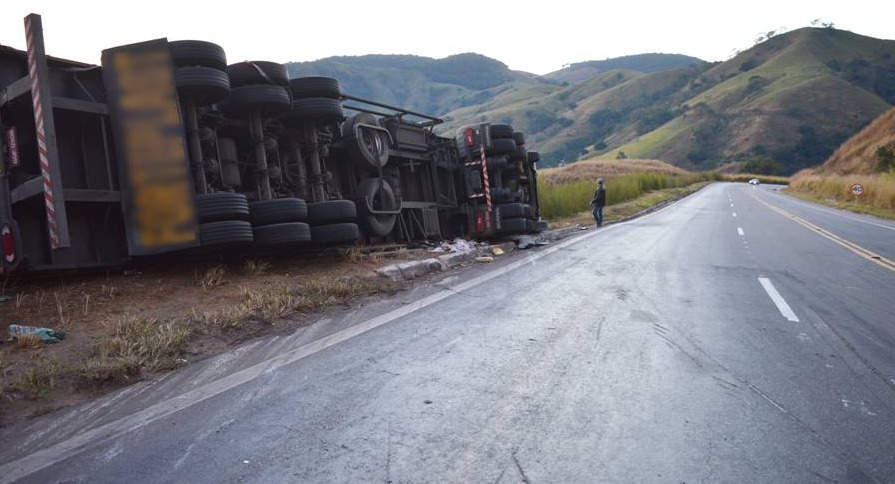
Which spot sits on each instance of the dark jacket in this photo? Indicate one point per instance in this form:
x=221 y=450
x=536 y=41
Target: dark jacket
x=599 y=198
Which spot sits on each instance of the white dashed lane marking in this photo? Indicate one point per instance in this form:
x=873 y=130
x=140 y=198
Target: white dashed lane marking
x=775 y=296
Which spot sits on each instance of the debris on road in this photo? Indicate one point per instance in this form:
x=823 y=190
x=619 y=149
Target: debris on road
x=485 y=259
x=497 y=251
x=46 y=335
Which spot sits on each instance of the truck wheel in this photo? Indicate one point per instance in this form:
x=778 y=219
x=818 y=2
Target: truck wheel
x=315 y=109
x=257 y=72
x=534 y=157
x=265 y=100
x=314 y=86
x=204 y=85
x=226 y=233
x=198 y=53
x=282 y=235
x=278 y=211
x=513 y=210
x=331 y=212
x=501 y=146
x=217 y=207
x=496 y=162
x=501 y=195
x=501 y=131
x=519 y=138
x=513 y=226
x=518 y=154
x=378 y=194
x=366 y=147
x=335 y=234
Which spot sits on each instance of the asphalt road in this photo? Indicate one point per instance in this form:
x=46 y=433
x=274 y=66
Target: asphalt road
x=716 y=340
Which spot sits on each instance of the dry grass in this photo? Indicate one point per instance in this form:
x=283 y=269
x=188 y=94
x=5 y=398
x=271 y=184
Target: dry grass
x=28 y=341
x=878 y=197
x=858 y=154
x=593 y=169
x=40 y=380
x=212 y=277
x=253 y=267
x=148 y=343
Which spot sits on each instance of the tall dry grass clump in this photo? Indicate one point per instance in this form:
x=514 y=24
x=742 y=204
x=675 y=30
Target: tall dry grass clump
x=879 y=190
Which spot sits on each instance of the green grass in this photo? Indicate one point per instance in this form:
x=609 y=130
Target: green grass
x=631 y=207
x=567 y=199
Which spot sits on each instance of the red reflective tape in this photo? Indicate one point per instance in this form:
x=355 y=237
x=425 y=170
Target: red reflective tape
x=41 y=138
x=487 y=188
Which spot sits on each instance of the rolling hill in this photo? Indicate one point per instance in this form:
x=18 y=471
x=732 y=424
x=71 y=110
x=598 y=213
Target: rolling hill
x=646 y=63
x=793 y=98
x=423 y=84
x=870 y=151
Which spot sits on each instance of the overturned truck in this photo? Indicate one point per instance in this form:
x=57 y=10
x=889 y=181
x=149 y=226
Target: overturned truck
x=167 y=149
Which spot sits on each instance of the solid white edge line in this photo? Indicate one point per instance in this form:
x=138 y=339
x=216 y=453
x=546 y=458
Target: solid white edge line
x=740 y=231
x=43 y=458
x=775 y=296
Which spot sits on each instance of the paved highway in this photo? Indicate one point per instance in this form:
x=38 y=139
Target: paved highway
x=722 y=339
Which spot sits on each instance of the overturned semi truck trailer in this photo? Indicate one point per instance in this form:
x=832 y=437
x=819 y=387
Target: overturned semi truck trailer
x=166 y=148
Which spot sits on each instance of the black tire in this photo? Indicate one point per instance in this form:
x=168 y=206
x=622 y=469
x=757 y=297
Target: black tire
x=314 y=86
x=265 y=100
x=513 y=226
x=331 y=212
x=518 y=154
x=501 y=146
x=204 y=85
x=316 y=109
x=198 y=53
x=534 y=157
x=378 y=194
x=513 y=210
x=501 y=195
x=278 y=211
x=282 y=235
x=529 y=211
x=257 y=72
x=501 y=131
x=519 y=138
x=496 y=163
x=348 y=127
x=217 y=207
x=531 y=226
x=335 y=234
x=225 y=233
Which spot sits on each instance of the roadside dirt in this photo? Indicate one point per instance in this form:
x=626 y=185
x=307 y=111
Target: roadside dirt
x=129 y=324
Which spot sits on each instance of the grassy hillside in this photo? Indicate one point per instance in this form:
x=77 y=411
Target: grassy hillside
x=791 y=99
x=644 y=63
x=867 y=158
x=433 y=86
x=870 y=151
x=590 y=170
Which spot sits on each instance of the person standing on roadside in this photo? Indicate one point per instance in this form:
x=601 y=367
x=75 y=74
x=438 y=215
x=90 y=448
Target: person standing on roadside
x=599 y=201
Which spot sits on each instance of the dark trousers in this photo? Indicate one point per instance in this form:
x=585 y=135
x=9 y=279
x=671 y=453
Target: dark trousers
x=598 y=215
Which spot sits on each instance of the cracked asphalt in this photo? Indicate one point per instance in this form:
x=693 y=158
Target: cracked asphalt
x=649 y=351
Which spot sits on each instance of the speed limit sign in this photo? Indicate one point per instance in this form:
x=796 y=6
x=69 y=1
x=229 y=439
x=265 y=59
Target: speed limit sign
x=857 y=189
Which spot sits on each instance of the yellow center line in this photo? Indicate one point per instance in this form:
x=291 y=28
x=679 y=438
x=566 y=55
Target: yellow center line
x=857 y=249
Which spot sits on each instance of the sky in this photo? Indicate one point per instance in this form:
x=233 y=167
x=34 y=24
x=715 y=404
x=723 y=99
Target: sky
x=532 y=36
